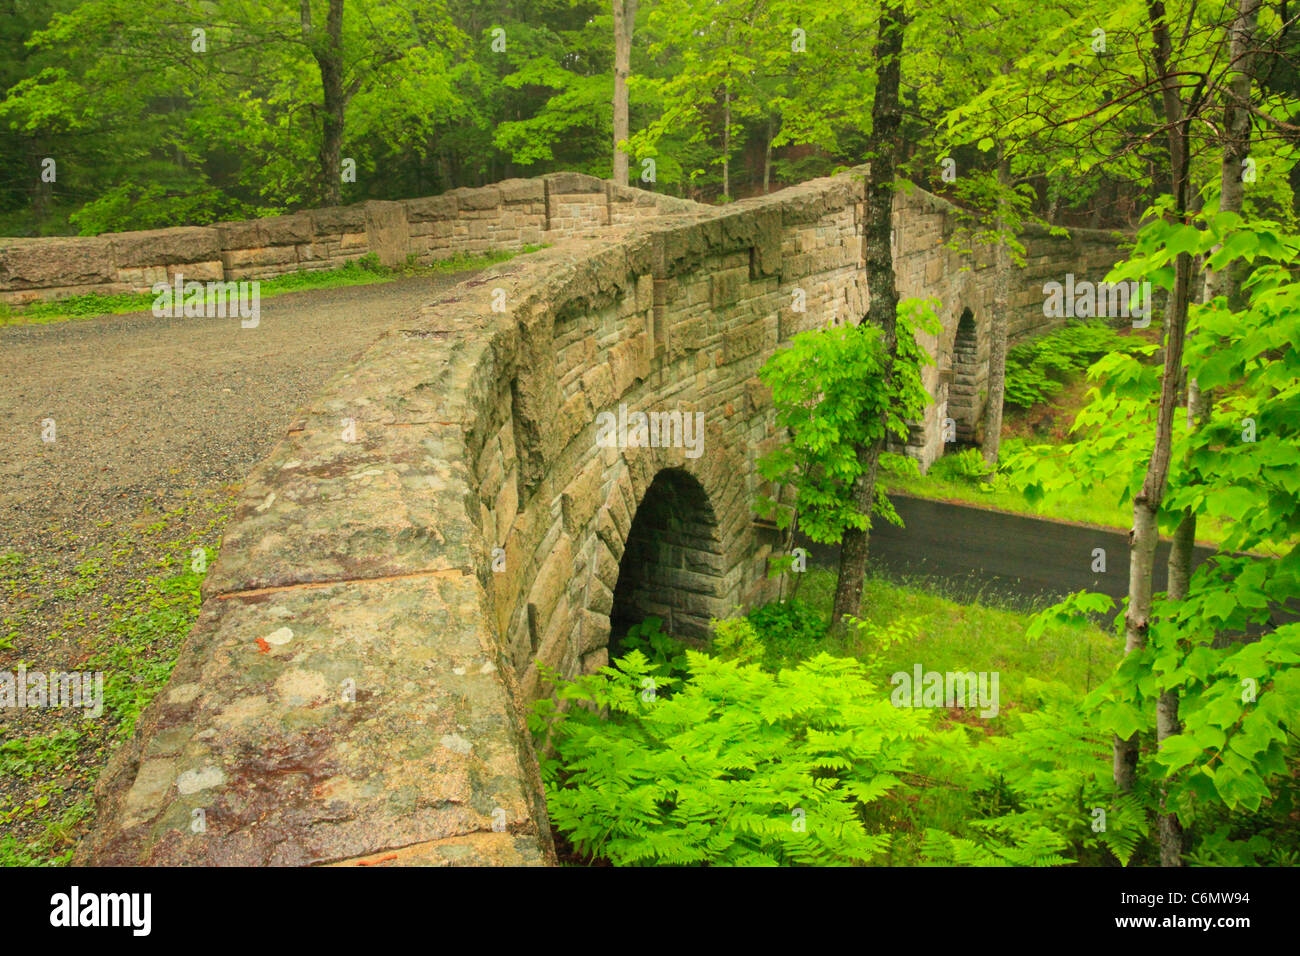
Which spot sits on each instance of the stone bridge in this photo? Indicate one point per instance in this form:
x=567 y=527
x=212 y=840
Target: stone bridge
x=442 y=523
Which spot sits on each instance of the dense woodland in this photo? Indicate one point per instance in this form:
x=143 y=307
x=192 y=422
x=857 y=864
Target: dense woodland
x=167 y=112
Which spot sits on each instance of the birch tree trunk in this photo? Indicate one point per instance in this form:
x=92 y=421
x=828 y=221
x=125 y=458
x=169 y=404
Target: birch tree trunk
x=1144 y=535
x=1236 y=144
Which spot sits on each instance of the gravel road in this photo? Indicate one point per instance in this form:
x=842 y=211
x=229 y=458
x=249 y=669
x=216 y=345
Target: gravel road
x=146 y=407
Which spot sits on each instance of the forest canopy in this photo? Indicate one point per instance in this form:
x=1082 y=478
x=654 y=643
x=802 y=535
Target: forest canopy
x=129 y=114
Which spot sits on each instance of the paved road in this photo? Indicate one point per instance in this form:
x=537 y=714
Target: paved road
x=1013 y=552
x=1018 y=558
x=1012 y=559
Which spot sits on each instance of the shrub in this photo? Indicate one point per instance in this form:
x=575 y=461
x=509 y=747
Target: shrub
x=736 y=639
x=963 y=466
x=659 y=648
x=784 y=620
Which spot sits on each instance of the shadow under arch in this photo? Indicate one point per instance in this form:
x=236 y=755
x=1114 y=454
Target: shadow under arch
x=673 y=566
x=965 y=403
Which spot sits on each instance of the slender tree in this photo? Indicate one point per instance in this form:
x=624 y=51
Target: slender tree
x=882 y=311
x=999 y=321
x=624 y=25
x=1235 y=134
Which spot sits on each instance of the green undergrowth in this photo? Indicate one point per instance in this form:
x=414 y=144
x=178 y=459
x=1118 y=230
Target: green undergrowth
x=1036 y=371
x=93 y=618
x=363 y=271
x=782 y=746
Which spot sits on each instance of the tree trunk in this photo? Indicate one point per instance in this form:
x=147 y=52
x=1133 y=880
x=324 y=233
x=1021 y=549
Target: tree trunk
x=328 y=53
x=998 y=325
x=624 y=24
x=1236 y=144
x=1170 y=830
x=726 y=141
x=42 y=191
x=767 y=157
x=882 y=311
x=1144 y=534
x=1146 y=505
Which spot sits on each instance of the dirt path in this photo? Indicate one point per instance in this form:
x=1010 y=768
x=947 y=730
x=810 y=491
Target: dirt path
x=155 y=421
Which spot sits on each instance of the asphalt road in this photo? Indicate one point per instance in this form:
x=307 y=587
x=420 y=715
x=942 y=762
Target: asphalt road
x=1023 y=560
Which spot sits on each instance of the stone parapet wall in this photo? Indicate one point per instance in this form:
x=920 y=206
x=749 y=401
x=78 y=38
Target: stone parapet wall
x=506 y=216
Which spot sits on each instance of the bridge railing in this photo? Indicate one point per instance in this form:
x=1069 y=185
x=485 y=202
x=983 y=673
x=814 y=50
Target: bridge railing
x=505 y=216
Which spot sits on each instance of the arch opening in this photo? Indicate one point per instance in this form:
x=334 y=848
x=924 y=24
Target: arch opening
x=673 y=565
x=965 y=404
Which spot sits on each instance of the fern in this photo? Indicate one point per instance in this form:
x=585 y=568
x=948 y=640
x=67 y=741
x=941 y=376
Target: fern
x=1037 y=370
x=738 y=766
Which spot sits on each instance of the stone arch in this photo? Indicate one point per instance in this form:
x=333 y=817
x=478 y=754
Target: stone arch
x=674 y=562
x=970 y=378
x=730 y=552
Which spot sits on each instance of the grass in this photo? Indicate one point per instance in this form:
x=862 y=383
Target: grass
x=54 y=846
x=363 y=271
x=145 y=637
x=24 y=756
x=947 y=482
x=943 y=634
